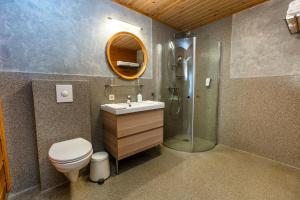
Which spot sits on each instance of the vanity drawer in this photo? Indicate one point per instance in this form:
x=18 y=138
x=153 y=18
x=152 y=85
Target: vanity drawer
x=111 y=144
x=133 y=144
x=129 y=124
x=139 y=122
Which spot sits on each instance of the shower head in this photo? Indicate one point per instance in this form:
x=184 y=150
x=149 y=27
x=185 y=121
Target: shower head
x=179 y=58
x=182 y=35
x=171 y=45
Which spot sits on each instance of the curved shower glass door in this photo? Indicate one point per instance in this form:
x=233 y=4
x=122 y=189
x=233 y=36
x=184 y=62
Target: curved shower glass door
x=190 y=94
x=178 y=93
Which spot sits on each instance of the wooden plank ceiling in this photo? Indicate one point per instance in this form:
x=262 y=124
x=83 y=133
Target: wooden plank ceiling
x=185 y=15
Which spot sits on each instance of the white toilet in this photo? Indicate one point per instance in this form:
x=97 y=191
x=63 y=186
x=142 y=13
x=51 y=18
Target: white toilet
x=70 y=156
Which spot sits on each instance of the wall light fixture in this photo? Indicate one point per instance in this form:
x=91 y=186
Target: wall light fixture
x=123 y=23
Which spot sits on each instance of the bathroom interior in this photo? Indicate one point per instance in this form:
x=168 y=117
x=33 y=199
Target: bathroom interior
x=150 y=99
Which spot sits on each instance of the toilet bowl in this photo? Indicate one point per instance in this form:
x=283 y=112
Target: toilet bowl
x=69 y=156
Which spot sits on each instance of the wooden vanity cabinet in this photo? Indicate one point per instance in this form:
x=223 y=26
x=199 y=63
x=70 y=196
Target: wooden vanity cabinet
x=128 y=134
x=5 y=180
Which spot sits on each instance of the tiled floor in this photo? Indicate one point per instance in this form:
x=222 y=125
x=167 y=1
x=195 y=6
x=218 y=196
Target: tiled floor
x=220 y=174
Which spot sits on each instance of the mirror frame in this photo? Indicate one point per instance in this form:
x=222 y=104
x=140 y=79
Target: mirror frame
x=108 y=47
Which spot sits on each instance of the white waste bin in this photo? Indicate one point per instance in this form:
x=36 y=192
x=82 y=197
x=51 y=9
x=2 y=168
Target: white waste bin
x=99 y=168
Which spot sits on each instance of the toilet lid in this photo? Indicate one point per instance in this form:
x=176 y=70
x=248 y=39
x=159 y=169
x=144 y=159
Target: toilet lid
x=70 y=150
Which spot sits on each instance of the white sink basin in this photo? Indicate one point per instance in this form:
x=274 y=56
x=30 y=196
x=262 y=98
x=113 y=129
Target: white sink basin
x=124 y=108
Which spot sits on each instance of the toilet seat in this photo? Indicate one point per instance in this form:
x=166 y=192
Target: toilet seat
x=70 y=151
x=67 y=167
x=71 y=161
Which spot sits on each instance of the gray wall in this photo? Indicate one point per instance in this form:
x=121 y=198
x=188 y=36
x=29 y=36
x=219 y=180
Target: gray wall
x=259 y=115
x=261 y=45
x=64 y=37
x=54 y=41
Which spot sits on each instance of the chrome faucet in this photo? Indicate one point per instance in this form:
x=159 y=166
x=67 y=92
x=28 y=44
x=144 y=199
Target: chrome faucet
x=129 y=100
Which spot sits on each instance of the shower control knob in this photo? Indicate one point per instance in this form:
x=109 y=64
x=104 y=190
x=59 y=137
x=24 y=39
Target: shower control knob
x=188 y=97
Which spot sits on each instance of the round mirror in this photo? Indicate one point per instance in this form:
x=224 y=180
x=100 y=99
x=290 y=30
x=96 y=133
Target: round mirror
x=127 y=55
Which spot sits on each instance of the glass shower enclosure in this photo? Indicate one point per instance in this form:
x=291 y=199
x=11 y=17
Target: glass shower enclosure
x=190 y=84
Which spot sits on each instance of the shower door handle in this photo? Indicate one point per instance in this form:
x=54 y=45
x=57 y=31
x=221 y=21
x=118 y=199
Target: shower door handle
x=207 y=82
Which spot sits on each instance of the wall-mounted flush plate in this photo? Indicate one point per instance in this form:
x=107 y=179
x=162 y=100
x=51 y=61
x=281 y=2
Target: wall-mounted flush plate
x=64 y=93
x=111 y=97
